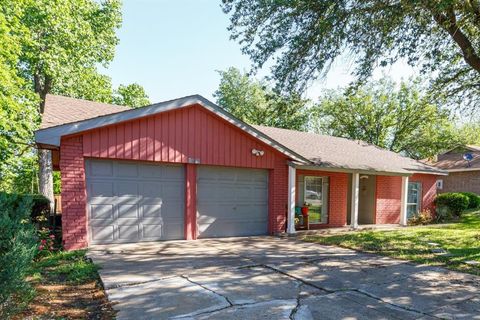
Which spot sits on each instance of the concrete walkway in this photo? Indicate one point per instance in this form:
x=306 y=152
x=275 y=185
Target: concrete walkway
x=272 y=278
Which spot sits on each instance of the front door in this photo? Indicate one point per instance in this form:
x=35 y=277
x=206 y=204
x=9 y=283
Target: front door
x=366 y=201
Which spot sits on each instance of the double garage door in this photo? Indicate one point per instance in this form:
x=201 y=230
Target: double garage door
x=135 y=201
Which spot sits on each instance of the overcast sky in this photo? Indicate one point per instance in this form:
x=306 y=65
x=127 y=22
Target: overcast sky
x=173 y=49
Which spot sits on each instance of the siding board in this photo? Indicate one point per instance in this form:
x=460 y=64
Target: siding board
x=176 y=136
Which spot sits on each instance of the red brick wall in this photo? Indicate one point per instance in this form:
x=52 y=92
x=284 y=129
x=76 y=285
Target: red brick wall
x=74 y=198
x=337 y=197
x=389 y=191
x=429 y=189
x=278 y=196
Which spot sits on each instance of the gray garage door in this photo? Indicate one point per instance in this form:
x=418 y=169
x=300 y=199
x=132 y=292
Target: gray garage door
x=231 y=202
x=134 y=201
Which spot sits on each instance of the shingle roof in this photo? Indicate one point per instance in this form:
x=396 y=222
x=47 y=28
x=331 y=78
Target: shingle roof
x=322 y=150
x=343 y=153
x=60 y=110
x=452 y=160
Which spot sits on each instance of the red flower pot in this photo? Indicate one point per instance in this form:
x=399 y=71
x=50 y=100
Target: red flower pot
x=305 y=211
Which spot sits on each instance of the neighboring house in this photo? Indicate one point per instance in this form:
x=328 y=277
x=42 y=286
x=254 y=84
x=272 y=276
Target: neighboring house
x=463 y=167
x=187 y=169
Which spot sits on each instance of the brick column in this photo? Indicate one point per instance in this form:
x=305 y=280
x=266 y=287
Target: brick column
x=190 y=202
x=74 y=196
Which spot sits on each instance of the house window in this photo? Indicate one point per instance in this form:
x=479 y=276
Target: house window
x=414 y=198
x=439 y=184
x=313 y=196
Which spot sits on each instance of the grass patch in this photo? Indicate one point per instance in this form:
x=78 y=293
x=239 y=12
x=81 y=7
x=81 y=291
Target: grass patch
x=69 y=266
x=68 y=287
x=461 y=241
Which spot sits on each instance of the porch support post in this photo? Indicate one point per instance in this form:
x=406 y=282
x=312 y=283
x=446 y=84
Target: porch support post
x=355 y=196
x=291 y=200
x=403 y=204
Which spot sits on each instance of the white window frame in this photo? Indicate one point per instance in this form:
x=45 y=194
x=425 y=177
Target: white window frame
x=417 y=204
x=324 y=200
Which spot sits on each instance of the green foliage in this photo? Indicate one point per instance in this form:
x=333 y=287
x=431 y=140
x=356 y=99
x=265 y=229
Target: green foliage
x=301 y=39
x=473 y=200
x=255 y=103
x=455 y=202
x=132 y=95
x=17 y=103
x=398 y=118
x=17 y=249
x=50 y=47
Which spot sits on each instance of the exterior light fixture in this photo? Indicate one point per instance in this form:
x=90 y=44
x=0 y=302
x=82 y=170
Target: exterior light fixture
x=258 y=153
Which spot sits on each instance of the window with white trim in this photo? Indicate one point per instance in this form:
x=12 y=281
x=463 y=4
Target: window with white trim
x=414 y=198
x=315 y=194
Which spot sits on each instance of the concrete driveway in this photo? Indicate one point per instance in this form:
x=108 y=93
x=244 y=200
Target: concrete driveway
x=273 y=278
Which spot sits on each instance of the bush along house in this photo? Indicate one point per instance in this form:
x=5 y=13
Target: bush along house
x=187 y=169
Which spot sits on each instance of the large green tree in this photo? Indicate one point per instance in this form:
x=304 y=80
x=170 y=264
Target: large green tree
x=255 y=102
x=17 y=103
x=51 y=47
x=303 y=38
x=398 y=118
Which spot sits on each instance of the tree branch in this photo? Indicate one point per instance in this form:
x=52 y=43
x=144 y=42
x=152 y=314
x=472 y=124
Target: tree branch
x=449 y=23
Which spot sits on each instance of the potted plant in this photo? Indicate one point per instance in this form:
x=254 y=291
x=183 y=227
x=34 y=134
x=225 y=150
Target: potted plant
x=305 y=209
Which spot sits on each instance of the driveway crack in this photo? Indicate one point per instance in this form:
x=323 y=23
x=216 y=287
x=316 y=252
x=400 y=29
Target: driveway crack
x=208 y=289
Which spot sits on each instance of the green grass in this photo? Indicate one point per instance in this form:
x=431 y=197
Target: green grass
x=69 y=266
x=460 y=239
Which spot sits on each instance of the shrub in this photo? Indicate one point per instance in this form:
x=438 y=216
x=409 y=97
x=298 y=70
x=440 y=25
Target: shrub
x=40 y=206
x=424 y=217
x=473 y=198
x=17 y=250
x=454 y=202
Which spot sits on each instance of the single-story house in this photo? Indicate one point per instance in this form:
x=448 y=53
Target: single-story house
x=187 y=169
x=463 y=166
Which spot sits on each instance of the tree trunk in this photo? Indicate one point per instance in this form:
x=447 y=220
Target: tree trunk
x=45 y=175
x=45 y=171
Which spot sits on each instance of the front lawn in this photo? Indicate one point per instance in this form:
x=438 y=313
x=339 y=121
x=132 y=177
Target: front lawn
x=67 y=286
x=460 y=242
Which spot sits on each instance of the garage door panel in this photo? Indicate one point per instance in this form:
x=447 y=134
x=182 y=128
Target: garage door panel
x=128 y=211
x=101 y=211
x=126 y=188
x=101 y=168
x=126 y=170
x=151 y=190
x=129 y=232
x=101 y=189
x=138 y=202
x=232 y=202
x=102 y=233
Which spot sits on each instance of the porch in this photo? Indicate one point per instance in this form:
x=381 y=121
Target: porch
x=355 y=199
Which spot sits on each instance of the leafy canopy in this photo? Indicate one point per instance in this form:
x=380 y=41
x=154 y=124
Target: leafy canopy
x=399 y=119
x=132 y=95
x=17 y=103
x=51 y=46
x=303 y=38
x=254 y=102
